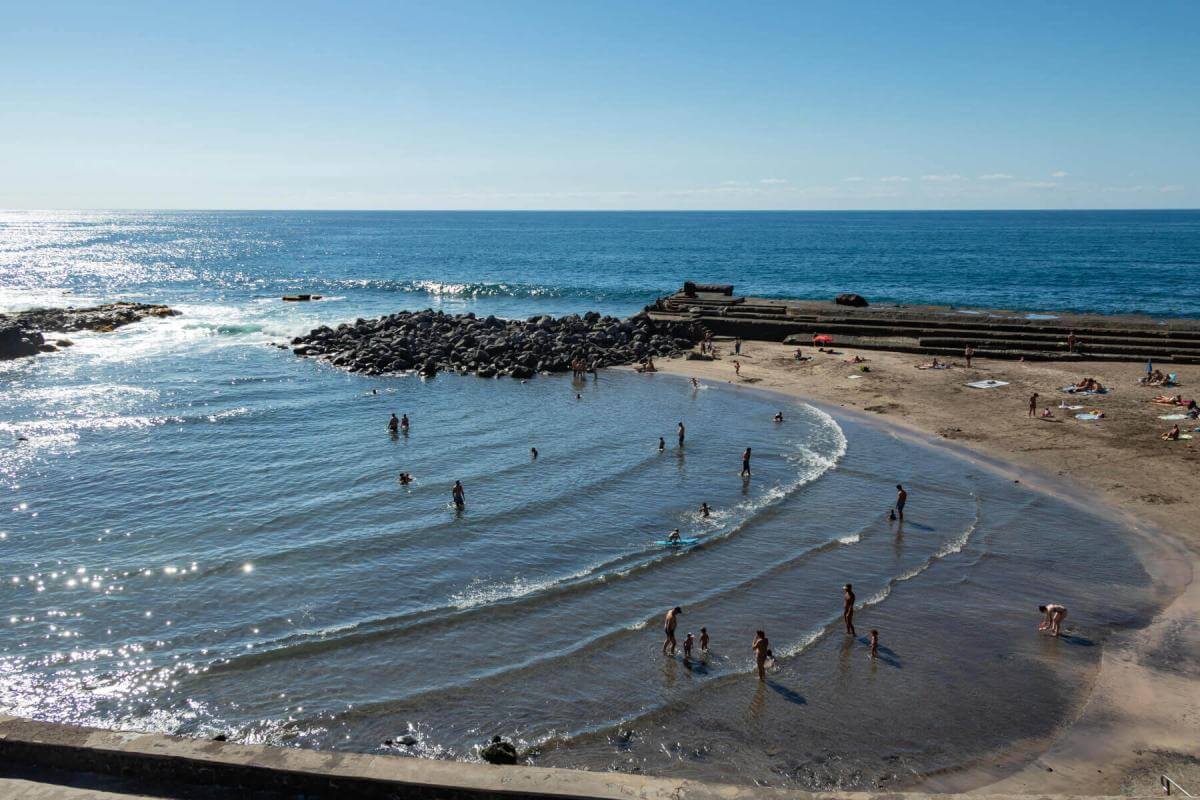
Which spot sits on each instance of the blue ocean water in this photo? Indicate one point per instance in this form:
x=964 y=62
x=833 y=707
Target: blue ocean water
x=202 y=533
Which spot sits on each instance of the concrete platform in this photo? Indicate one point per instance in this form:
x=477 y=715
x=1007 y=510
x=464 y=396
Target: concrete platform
x=152 y=765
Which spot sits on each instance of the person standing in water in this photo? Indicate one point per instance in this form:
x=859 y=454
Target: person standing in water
x=745 y=473
x=662 y=444
x=704 y=510
x=704 y=640
x=901 y=499
x=669 y=624
x=393 y=423
x=848 y=609
x=695 y=383
x=1054 y=614
x=460 y=497
x=874 y=643
x=682 y=432
x=533 y=453
x=762 y=649
x=689 y=641
x=404 y=422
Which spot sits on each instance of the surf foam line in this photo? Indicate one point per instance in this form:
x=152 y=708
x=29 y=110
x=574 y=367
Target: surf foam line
x=469 y=290
x=517 y=591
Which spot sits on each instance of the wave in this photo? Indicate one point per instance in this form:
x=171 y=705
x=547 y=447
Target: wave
x=470 y=290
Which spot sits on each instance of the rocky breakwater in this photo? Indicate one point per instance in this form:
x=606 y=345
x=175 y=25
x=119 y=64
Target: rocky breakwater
x=432 y=341
x=22 y=334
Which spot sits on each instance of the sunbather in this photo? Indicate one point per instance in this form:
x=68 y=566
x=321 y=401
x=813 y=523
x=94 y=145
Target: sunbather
x=1171 y=435
x=1164 y=400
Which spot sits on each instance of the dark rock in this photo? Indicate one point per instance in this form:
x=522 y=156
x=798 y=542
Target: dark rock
x=850 y=299
x=499 y=752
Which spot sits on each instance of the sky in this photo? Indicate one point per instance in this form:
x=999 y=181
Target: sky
x=565 y=104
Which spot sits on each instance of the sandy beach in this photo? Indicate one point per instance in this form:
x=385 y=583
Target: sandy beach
x=1143 y=714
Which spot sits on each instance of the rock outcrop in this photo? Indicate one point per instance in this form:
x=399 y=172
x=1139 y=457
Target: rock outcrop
x=21 y=333
x=431 y=341
x=851 y=299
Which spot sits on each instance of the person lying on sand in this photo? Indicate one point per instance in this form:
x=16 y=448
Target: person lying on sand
x=1155 y=378
x=799 y=355
x=1054 y=615
x=1089 y=385
x=855 y=360
x=935 y=364
x=1164 y=400
x=1171 y=435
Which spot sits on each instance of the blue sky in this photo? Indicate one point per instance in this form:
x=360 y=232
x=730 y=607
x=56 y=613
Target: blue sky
x=566 y=104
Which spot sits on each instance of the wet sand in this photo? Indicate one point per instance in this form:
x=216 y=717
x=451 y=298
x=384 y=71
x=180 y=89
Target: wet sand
x=1140 y=718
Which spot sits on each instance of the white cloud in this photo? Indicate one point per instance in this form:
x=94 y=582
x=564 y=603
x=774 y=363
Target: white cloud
x=942 y=178
x=855 y=179
x=996 y=176
x=733 y=183
x=773 y=180
x=1171 y=187
x=1039 y=184
x=1058 y=173
x=894 y=179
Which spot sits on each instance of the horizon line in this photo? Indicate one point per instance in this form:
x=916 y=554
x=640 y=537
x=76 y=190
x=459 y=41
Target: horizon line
x=597 y=210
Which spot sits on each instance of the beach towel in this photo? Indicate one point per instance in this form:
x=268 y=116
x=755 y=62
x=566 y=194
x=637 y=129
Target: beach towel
x=1090 y=415
x=931 y=366
x=1185 y=436
x=1069 y=408
x=1072 y=390
x=1172 y=416
x=988 y=384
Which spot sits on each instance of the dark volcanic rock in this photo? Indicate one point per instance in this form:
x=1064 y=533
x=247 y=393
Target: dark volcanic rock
x=849 y=299
x=432 y=341
x=20 y=333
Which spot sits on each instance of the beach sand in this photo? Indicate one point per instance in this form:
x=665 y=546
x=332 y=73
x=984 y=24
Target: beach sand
x=1142 y=718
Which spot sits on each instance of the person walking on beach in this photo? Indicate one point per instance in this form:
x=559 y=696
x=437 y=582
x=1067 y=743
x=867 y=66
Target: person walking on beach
x=737 y=346
x=848 y=608
x=968 y=351
x=1033 y=398
x=682 y=431
x=901 y=499
x=762 y=650
x=393 y=423
x=1071 y=342
x=460 y=497
x=737 y=368
x=669 y=625
x=1054 y=614
x=746 y=463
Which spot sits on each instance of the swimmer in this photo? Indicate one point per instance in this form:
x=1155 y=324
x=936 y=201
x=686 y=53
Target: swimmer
x=704 y=511
x=673 y=537
x=762 y=651
x=578 y=396
x=901 y=499
x=848 y=608
x=891 y=515
x=1054 y=615
x=745 y=473
x=393 y=423
x=662 y=444
x=405 y=479
x=460 y=497
x=874 y=643
x=695 y=383
x=669 y=624
x=778 y=417
x=681 y=432
x=533 y=453
x=704 y=640
x=688 y=642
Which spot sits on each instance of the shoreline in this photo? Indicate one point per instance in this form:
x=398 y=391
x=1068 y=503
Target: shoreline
x=1133 y=723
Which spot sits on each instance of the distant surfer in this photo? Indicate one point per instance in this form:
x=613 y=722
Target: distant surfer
x=1054 y=614
x=460 y=497
x=848 y=608
x=682 y=431
x=745 y=473
x=674 y=537
x=669 y=624
x=393 y=423
x=762 y=651
x=901 y=499
x=704 y=510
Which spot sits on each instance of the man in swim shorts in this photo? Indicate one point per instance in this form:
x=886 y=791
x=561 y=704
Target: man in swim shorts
x=460 y=497
x=745 y=473
x=848 y=608
x=1054 y=614
x=762 y=649
x=393 y=423
x=682 y=431
x=669 y=629
x=901 y=499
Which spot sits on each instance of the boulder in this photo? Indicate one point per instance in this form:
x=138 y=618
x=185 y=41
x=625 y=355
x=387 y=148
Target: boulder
x=850 y=299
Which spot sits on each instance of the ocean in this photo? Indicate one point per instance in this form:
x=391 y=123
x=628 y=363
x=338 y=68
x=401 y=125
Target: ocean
x=202 y=533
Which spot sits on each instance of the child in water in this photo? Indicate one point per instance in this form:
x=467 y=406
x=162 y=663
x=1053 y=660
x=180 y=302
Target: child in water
x=704 y=640
x=687 y=645
x=874 y=643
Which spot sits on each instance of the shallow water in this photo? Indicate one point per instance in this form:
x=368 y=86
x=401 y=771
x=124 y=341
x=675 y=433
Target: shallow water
x=201 y=533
